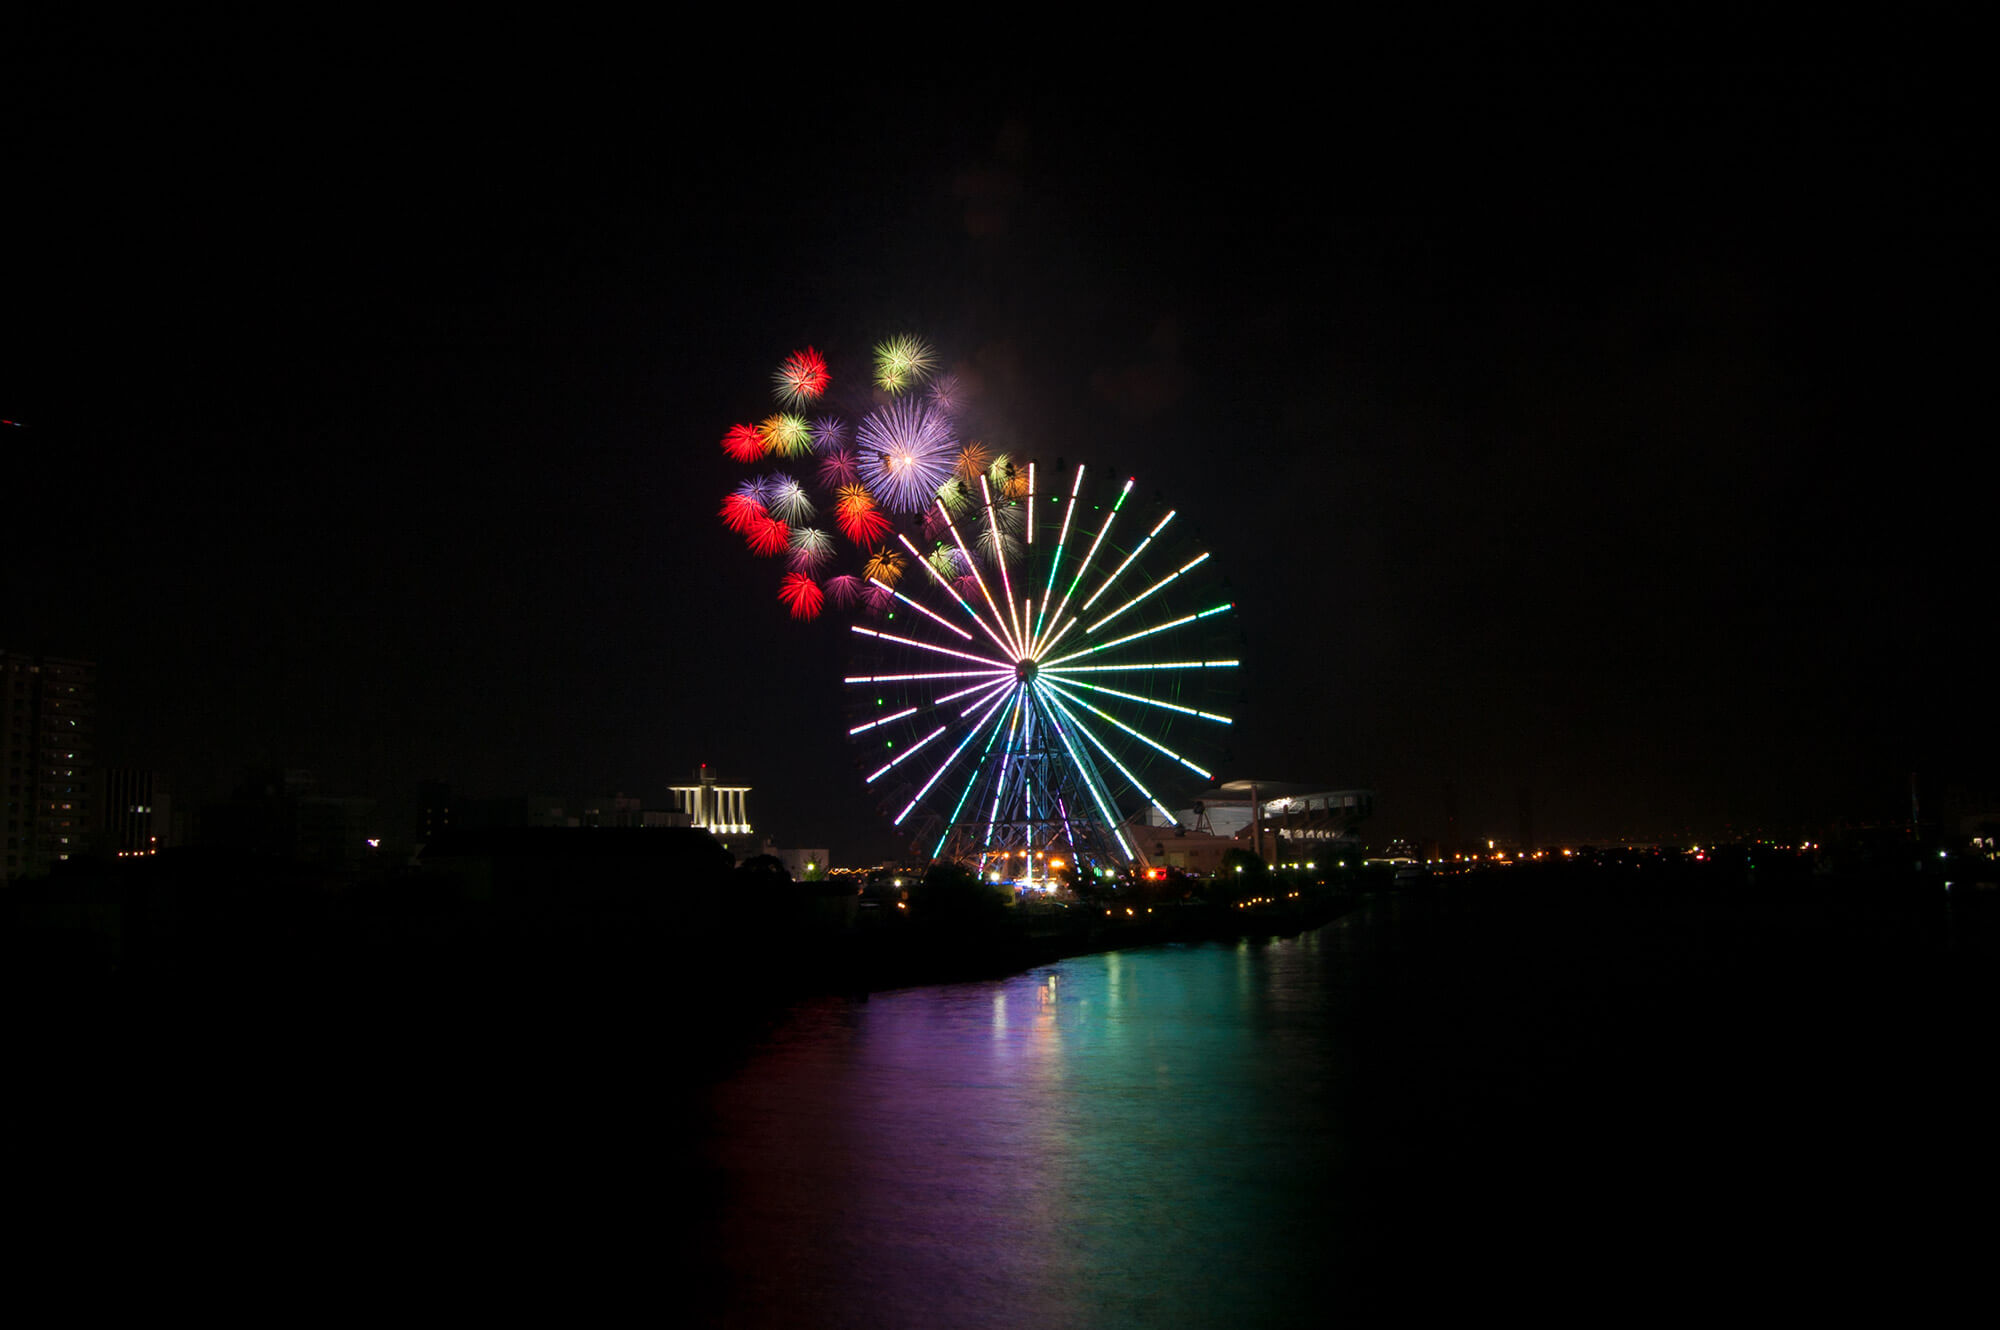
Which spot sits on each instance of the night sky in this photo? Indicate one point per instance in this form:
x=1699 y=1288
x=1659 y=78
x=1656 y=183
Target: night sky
x=1606 y=427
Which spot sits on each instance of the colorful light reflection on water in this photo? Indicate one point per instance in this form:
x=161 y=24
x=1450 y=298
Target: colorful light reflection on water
x=1145 y=1136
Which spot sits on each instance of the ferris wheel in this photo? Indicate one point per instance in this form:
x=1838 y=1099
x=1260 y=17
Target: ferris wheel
x=1050 y=658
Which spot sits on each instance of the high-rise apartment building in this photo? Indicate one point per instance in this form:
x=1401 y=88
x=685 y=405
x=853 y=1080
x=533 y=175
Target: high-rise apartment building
x=48 y=711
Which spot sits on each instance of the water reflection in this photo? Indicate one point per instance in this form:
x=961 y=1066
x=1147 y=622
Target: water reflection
x=1486 y=1102
x=1125 y=1138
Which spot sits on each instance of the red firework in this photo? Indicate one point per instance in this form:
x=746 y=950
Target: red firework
x=858 y=518
x=740 y=512
x=745 y=443
x=769 y=536
x=863 y=526
x=802 y=594
x=803 y=376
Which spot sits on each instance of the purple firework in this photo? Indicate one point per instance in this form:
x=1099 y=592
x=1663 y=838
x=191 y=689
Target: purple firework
x=906 y=452
x=789 y=500
x=947 y=394
x=846 y=590
x=828 y=433
x=837 y=468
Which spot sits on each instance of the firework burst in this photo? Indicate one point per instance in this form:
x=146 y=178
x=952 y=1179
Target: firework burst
x=972 y=461
x=997 y=546
x=944 y=561
x=948 y=394
x=884 y=566
x=802 y=594
x=810 y=549
x=829 y=433
x=906 y=453
x=744 y=443
x=845 y=591
x=768 y=536
x=786 y=435
x=858 y=518
x=789 y=501
x=902 y=362
x=837 y=468
x=802 y=378
x=740 y=512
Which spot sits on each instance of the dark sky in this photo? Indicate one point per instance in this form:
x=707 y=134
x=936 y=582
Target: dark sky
x=1609 y=427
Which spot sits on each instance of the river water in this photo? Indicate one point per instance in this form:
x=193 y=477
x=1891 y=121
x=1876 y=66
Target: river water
x=1485 y=1104
x=1588 y=1106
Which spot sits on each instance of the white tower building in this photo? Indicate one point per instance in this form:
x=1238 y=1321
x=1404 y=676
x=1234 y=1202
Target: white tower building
x=723 y=809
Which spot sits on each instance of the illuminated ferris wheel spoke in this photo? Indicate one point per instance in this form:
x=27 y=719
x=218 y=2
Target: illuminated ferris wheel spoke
x=1085 y=769
x=1147 y=740
x=1196 y=712
x=906 y=754
x=1093 y=781
x=928 y=646
x=1067 y=670
x=1112 y=758
x=1006 y=765
x=927 y=676
x=985 y=685
x=1013 y=647
x=926 y=610
x=1184 y=620
x=1000 y=557
x=1170 y=578
x=971 y=783
x=1084 y=566
x=1062 y=542
x=1061 y=633
x=952 y=591
x=1137 y=550
x=972 y=732
x=884 y=720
